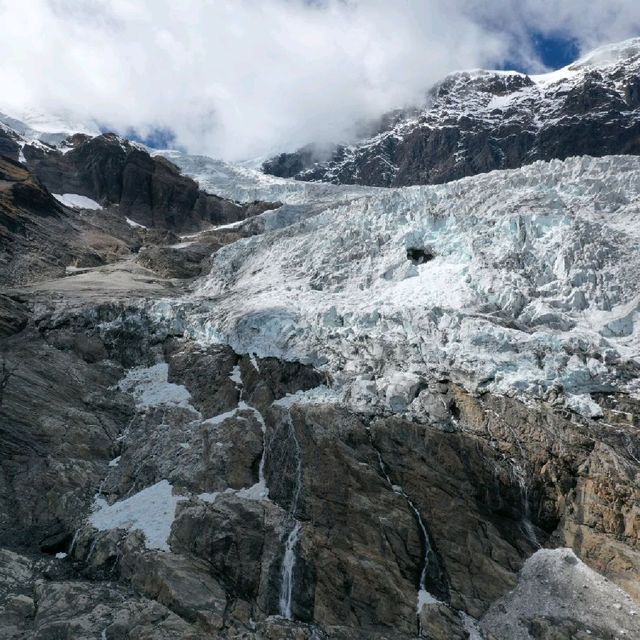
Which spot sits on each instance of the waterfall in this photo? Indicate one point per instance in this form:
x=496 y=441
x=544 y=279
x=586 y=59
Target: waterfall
x=424 y=595
x=520 y=476
x=288 y=564
x=258 y=491
x=261 y=491
x=527 y=525
x=289 y=557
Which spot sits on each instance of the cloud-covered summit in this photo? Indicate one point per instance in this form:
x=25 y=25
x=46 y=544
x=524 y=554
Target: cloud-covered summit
x=242 y=78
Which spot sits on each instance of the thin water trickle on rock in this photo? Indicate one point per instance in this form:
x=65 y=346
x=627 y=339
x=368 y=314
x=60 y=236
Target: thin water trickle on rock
x=526 y=523
x=289 y=557
x=424 y=595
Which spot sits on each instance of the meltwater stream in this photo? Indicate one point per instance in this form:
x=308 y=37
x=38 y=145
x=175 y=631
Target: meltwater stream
x=289 y=557
x=288 y=565
x=424 y=595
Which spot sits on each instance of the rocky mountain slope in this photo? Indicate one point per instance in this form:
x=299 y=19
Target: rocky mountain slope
x=92 y=201
x=478 y=121
x=359 y=413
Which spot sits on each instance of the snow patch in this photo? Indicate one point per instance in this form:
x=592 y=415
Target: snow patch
x=76 y=201
x=150 y=387
x=151 y=511
x=425 y=598
x=223 y=417
x=134 y=224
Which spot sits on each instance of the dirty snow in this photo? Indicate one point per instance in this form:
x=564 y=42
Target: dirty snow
x=150 y=387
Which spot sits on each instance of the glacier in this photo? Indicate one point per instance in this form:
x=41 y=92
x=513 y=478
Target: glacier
x=532 y=290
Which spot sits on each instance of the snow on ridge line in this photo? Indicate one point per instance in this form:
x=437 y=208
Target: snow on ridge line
x=76 y=201
x=529 y=285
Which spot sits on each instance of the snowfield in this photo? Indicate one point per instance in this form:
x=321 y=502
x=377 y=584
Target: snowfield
x=151 y=511
x=522 y=282
x=76 y=201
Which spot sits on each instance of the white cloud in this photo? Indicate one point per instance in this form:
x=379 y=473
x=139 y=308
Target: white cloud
x=588 y=23
x=242 y=78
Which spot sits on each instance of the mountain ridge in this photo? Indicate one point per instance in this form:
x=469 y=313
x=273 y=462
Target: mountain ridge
x=477 y=121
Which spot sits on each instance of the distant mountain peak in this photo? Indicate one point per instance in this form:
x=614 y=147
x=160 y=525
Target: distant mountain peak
x=480 y=120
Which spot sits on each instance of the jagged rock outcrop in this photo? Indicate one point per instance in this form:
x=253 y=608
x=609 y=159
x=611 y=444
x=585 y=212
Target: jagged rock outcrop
x=9 y=143
x=479 y=121
x=148 y=189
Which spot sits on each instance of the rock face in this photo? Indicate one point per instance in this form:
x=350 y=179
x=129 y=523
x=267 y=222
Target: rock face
x=39 y=237
x=148 y=189
x=475 y=122
x=136 y=202
x=384 y=508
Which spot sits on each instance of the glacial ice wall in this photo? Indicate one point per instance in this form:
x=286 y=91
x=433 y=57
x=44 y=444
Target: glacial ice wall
x=522 y=282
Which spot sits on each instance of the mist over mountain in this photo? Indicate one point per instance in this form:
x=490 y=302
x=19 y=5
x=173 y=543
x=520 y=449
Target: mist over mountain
x=241 y=80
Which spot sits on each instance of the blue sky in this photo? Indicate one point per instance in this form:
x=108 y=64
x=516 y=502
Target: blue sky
x=553 y=51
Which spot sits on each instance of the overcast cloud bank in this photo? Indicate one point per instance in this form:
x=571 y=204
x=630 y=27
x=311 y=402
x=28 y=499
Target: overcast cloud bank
x=247 y=78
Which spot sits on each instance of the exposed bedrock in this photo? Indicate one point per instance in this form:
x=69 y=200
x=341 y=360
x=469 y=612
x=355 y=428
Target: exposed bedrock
x=149 y=189
x=479 y=121
x=383 y=508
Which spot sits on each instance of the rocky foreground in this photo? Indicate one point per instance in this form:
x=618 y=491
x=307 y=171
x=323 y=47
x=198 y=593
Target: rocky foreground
x=161 y=501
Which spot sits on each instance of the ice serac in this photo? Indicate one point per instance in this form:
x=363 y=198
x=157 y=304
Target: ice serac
x=531 y=287
x=478 y=121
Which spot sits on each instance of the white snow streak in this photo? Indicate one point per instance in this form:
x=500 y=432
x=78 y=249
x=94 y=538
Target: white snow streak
x=76 y=201
x=151 y=511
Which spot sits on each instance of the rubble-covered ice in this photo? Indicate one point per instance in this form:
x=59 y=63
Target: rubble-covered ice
x=560 y=595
